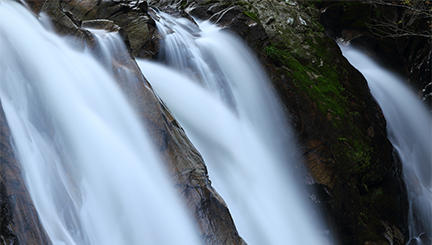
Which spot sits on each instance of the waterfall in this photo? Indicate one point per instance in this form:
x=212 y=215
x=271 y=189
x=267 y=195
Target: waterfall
x=409 y=126
x=87 y=161
x=219 y=93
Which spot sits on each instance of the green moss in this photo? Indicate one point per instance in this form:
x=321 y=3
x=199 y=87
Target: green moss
x=356 y=149
x=321 y=85
x=308 y=64
x=343 y=139
x=251 y=15
x=378 y=193
x=361 y=155
x=243 y=3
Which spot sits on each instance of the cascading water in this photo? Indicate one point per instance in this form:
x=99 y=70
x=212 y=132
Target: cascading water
x=409 y=126
x=220 y=95
x=87 y=162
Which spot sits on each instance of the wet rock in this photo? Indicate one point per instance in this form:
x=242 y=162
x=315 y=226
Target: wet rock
x=35 y=5
x=63 y=21
x=342 y=129
x=237 y=16
x=136 y=27
x=421 y=240
x=101 y=24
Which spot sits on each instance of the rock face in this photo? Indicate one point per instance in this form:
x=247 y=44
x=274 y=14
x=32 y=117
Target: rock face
x=340 y=126
x=136 y=27
x=19 y=222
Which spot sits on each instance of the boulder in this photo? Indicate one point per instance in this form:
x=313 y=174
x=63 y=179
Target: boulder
x=136 y=27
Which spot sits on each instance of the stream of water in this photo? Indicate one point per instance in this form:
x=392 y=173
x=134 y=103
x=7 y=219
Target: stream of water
x=218 y=91
x=87 y=161
x=409 y=126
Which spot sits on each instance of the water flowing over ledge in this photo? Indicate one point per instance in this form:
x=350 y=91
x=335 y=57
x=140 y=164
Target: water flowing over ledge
x=220 y=95
x=341 y=130
x=90 y=168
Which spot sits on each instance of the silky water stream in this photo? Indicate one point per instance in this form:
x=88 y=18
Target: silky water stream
x=409 y=126
x=218 y=91
x=87 y=161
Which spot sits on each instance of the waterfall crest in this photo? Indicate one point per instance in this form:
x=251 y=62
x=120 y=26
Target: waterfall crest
x=409 y=126
x=219 y=93
x=88 y=163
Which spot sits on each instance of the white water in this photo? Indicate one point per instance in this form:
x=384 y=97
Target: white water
x=409 y=126
x=220 y=95
x=87 y=162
